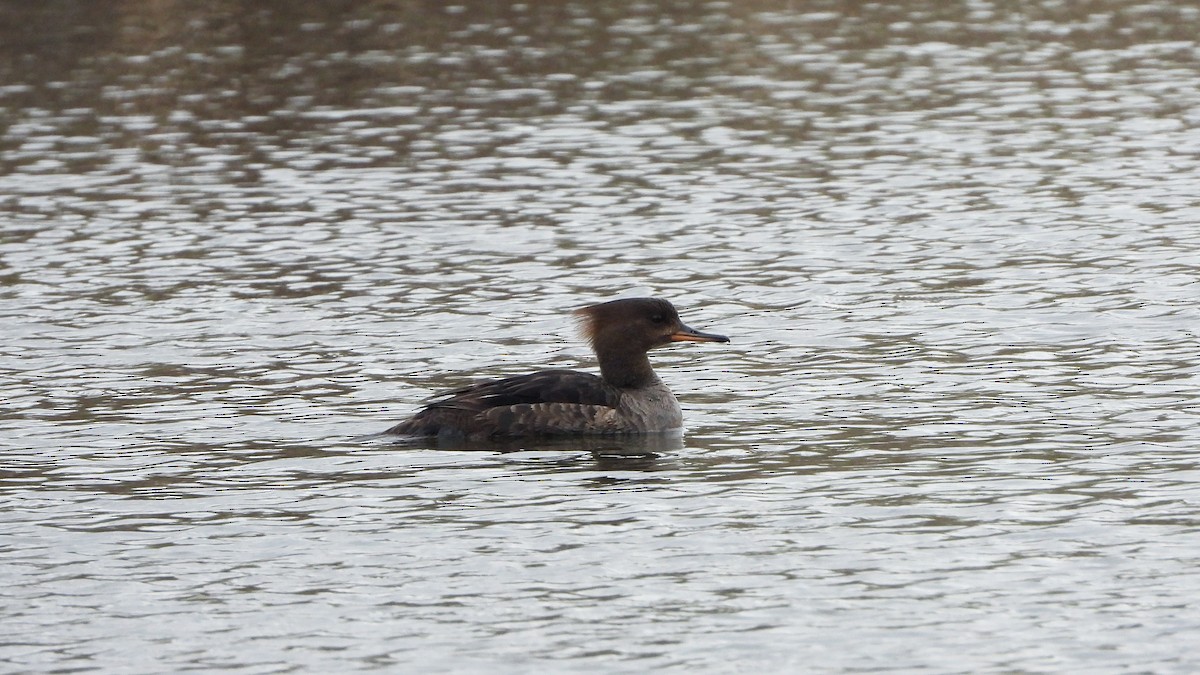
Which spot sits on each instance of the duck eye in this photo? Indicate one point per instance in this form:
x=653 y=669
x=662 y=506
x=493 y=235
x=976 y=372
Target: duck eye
x=657 y=318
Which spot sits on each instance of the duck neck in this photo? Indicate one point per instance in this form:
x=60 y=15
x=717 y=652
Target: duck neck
x=626 y=370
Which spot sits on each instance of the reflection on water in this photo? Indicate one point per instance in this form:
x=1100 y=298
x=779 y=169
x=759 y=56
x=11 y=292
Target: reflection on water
x=954 y=245
x=645 y=446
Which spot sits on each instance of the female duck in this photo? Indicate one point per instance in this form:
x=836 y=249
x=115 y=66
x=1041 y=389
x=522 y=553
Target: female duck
x=627 y=397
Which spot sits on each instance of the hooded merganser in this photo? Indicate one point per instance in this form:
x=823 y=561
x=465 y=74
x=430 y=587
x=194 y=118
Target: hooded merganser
x=627 y=398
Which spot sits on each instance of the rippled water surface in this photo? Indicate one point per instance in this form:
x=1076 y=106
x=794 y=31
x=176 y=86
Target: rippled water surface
x=955 y=244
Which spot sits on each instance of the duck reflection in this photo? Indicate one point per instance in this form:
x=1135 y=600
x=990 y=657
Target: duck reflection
x=606 y=448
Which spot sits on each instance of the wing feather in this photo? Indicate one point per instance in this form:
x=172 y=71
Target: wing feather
x=545 y=402
x=547 y=386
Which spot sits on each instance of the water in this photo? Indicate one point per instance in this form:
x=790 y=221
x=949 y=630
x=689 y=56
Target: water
x=955 y=247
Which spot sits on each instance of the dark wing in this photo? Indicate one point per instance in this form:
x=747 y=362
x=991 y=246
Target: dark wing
x=546 y=402
x=547 y=386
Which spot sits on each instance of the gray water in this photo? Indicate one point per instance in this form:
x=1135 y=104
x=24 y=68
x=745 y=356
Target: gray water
x=955 y=244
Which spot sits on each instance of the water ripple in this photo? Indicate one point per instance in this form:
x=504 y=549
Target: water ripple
x=954 y=247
